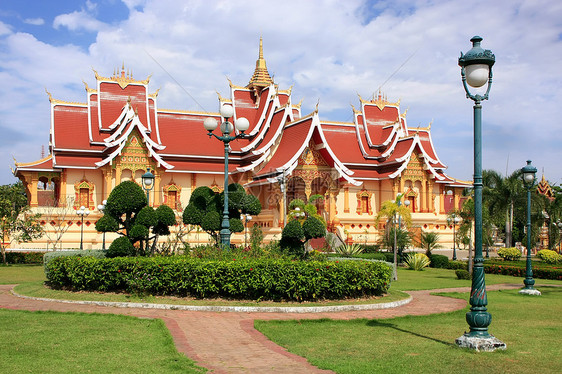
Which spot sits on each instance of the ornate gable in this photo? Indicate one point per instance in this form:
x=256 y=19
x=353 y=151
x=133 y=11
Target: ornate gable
x=414 y=171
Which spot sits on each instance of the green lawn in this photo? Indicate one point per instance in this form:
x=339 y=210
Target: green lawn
x=530 y=326
x=52 y=342
x=11 y=274
x=431 y=278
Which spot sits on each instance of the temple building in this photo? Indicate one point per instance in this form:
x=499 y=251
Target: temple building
x=120 y=131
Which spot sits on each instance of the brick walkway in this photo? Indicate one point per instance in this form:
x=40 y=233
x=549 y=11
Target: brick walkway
x=226 y=342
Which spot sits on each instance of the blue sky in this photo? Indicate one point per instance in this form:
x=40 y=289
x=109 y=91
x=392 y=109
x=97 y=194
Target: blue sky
x=329 y=51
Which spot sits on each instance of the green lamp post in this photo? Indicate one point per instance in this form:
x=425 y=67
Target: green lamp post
x=148 y=184
x=242 y=124
x=476 y=71
x=529 y=172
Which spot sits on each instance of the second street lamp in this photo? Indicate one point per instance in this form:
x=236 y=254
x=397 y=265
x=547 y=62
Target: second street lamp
x=148 y=184
x=83 y=211
x=529 y=172
x=476 y=71
x=242 y=124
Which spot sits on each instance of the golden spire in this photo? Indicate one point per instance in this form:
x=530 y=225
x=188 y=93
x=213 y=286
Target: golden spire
x=261 y=77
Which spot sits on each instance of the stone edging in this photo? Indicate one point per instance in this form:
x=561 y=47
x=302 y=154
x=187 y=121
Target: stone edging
x=237 y=309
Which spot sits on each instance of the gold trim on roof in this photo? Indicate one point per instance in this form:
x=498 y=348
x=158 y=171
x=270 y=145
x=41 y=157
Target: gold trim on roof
x=381 y=101
x=297 y=106
x=155 y=94
x=24 y=164
x=62 y=102
x=124 y=79
x=89 y=89
x=288 y=91
x=235 y=86
x=403 y=115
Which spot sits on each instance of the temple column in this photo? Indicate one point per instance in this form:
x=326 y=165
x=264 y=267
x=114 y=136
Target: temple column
x=423 y=194
x=441 y=200
x=431 y=201
x=379 y=197
x=456 y=199
x=346 y=199
x=108 y=176
x=34 y=179
x=157 y=190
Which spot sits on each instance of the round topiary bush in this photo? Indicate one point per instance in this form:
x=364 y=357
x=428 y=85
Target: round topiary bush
x=462 y=274
x=550 y=257
x=439 y=261
x=121 y=247
x=313 y=228
x=292 y=239
x=509 y=254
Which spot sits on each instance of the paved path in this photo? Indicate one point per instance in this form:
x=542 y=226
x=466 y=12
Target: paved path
x=226 y=342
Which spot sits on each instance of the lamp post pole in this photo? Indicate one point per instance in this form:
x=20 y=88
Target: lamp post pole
x=476 y=71
x=529 y=181
x=83 y=211
x=148 y=184
x=242 y=124
x=101 y=208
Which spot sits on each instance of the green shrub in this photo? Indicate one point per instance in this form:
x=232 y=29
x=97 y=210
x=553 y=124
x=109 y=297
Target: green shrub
x=24 y=257
x=50 y=256
x=348 y=250
x=462 y=274
x=509 y=254
x=417 y=261
x=371 y=248
x=439 y=261
x=550 y=257
x=292 y=238
x=547 y=272
x=267 y=279
x=121 y=247
x=455 y=264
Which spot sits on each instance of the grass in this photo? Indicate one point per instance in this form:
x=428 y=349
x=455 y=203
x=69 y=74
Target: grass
x=53 y=342
x=431 y=278
x=528 y=325
x=12 y=274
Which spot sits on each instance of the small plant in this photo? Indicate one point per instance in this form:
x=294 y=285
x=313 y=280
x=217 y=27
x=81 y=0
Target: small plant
x=348 y=250
x=550 y=257
x=509 y=254
x=462 y=274
x=417 y=261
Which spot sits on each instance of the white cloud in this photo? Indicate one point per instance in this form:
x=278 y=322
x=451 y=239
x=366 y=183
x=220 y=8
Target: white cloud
x=34 y=21
x=78 y=20
x=330 y=51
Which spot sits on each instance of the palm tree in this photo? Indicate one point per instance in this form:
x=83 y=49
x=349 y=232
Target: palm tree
x=391 y=210
x=502 y=194
x=429 y=241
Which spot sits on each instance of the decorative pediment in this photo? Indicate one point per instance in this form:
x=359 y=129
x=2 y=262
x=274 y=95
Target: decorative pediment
x=414 y=171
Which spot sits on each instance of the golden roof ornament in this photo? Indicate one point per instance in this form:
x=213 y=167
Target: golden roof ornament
x=261 y=77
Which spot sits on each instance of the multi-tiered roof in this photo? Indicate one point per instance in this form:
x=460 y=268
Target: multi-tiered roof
x=377 y=145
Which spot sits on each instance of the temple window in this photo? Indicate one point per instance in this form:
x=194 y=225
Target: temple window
x=172 y=196
x=84 y=192
x=364 y=202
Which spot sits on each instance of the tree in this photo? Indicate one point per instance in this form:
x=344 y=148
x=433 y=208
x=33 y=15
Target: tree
x=429 y=241
x=17 y=222
x=304 y=223
x=391 y=210
x=127 y=213
x=502 y=195
x=206 y=206
x=56 y=216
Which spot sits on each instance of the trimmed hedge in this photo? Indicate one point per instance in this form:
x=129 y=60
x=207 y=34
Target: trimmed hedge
x=518 y=271
x=263 y=279
x=439 y=261
x=50 y=256
x=456 y=264
x=24 y=257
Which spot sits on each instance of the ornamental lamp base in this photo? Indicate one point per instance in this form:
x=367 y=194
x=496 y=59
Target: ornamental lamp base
x=480 y=344
x=530 y=291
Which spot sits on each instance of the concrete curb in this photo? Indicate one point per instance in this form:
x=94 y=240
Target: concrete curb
x=235 y=309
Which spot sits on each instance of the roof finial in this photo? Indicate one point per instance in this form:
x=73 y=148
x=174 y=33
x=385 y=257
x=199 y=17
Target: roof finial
x=261 y=78
x=123 y=70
